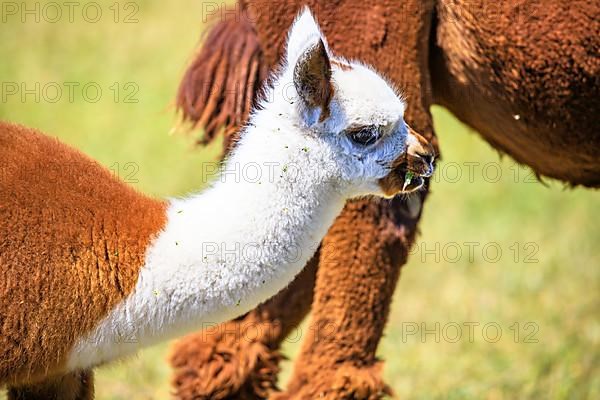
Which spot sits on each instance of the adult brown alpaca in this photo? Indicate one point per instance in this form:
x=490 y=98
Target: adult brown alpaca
x=524 y=74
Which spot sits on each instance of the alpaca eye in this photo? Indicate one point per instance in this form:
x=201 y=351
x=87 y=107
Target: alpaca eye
x=365 y=136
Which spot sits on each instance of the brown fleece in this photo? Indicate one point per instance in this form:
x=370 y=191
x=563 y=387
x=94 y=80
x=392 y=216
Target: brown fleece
x=526 y=75
x=72 y=241
x=337 y=359
x=370 y=238
x=312 y=78
x=217 y=91
x=345 y=381
x=74 y=386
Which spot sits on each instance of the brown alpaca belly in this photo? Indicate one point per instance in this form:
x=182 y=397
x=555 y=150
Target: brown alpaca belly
x=72 y=240
x=524 y=75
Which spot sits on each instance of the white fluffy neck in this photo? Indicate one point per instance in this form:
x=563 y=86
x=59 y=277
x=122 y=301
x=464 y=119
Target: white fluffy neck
x=229 y=248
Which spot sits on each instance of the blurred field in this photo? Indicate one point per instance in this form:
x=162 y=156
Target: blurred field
x=542 y=292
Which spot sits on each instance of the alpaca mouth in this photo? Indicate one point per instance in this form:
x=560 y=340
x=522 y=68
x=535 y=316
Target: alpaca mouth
x=402 y=179
x=409 y=170
x=410 y=179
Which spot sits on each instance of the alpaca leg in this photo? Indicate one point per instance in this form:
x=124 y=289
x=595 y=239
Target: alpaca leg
x=239 y=359
x=397 y=44
x=74 y=386
x=362 y=253
x=359 y=266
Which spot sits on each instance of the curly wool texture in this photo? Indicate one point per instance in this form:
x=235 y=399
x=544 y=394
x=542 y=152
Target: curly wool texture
x=533 y=99
x=217 y=91
x=526 y=76
x=385 y=228
x=346 y=382
x=82 y=259
x=524 y=82
x=74 y=386
x=244 y=369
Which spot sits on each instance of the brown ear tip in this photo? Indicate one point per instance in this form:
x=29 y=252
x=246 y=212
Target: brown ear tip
x=312 y=77
x=322 y=46
x=324 y=53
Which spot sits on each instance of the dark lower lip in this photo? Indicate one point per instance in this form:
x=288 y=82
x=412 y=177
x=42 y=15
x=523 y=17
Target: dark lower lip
x=415 y=183
x=393 y=184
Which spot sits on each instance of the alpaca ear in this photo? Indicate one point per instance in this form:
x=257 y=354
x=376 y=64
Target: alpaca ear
x=307 y=54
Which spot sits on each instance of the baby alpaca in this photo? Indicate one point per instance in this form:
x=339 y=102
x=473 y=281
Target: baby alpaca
x=91 y=270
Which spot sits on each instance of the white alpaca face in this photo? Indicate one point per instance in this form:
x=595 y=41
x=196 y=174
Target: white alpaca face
x=366 y=126
x=356 y=113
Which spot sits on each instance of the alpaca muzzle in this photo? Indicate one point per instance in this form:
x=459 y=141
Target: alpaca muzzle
x=410 y=169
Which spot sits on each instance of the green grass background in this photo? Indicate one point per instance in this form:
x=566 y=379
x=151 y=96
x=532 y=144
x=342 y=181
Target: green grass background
x=558 y=293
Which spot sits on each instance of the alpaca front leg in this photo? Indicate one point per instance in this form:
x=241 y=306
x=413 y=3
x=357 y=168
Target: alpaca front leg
x=359 y=266
x=240 y=359
x=77 y=385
